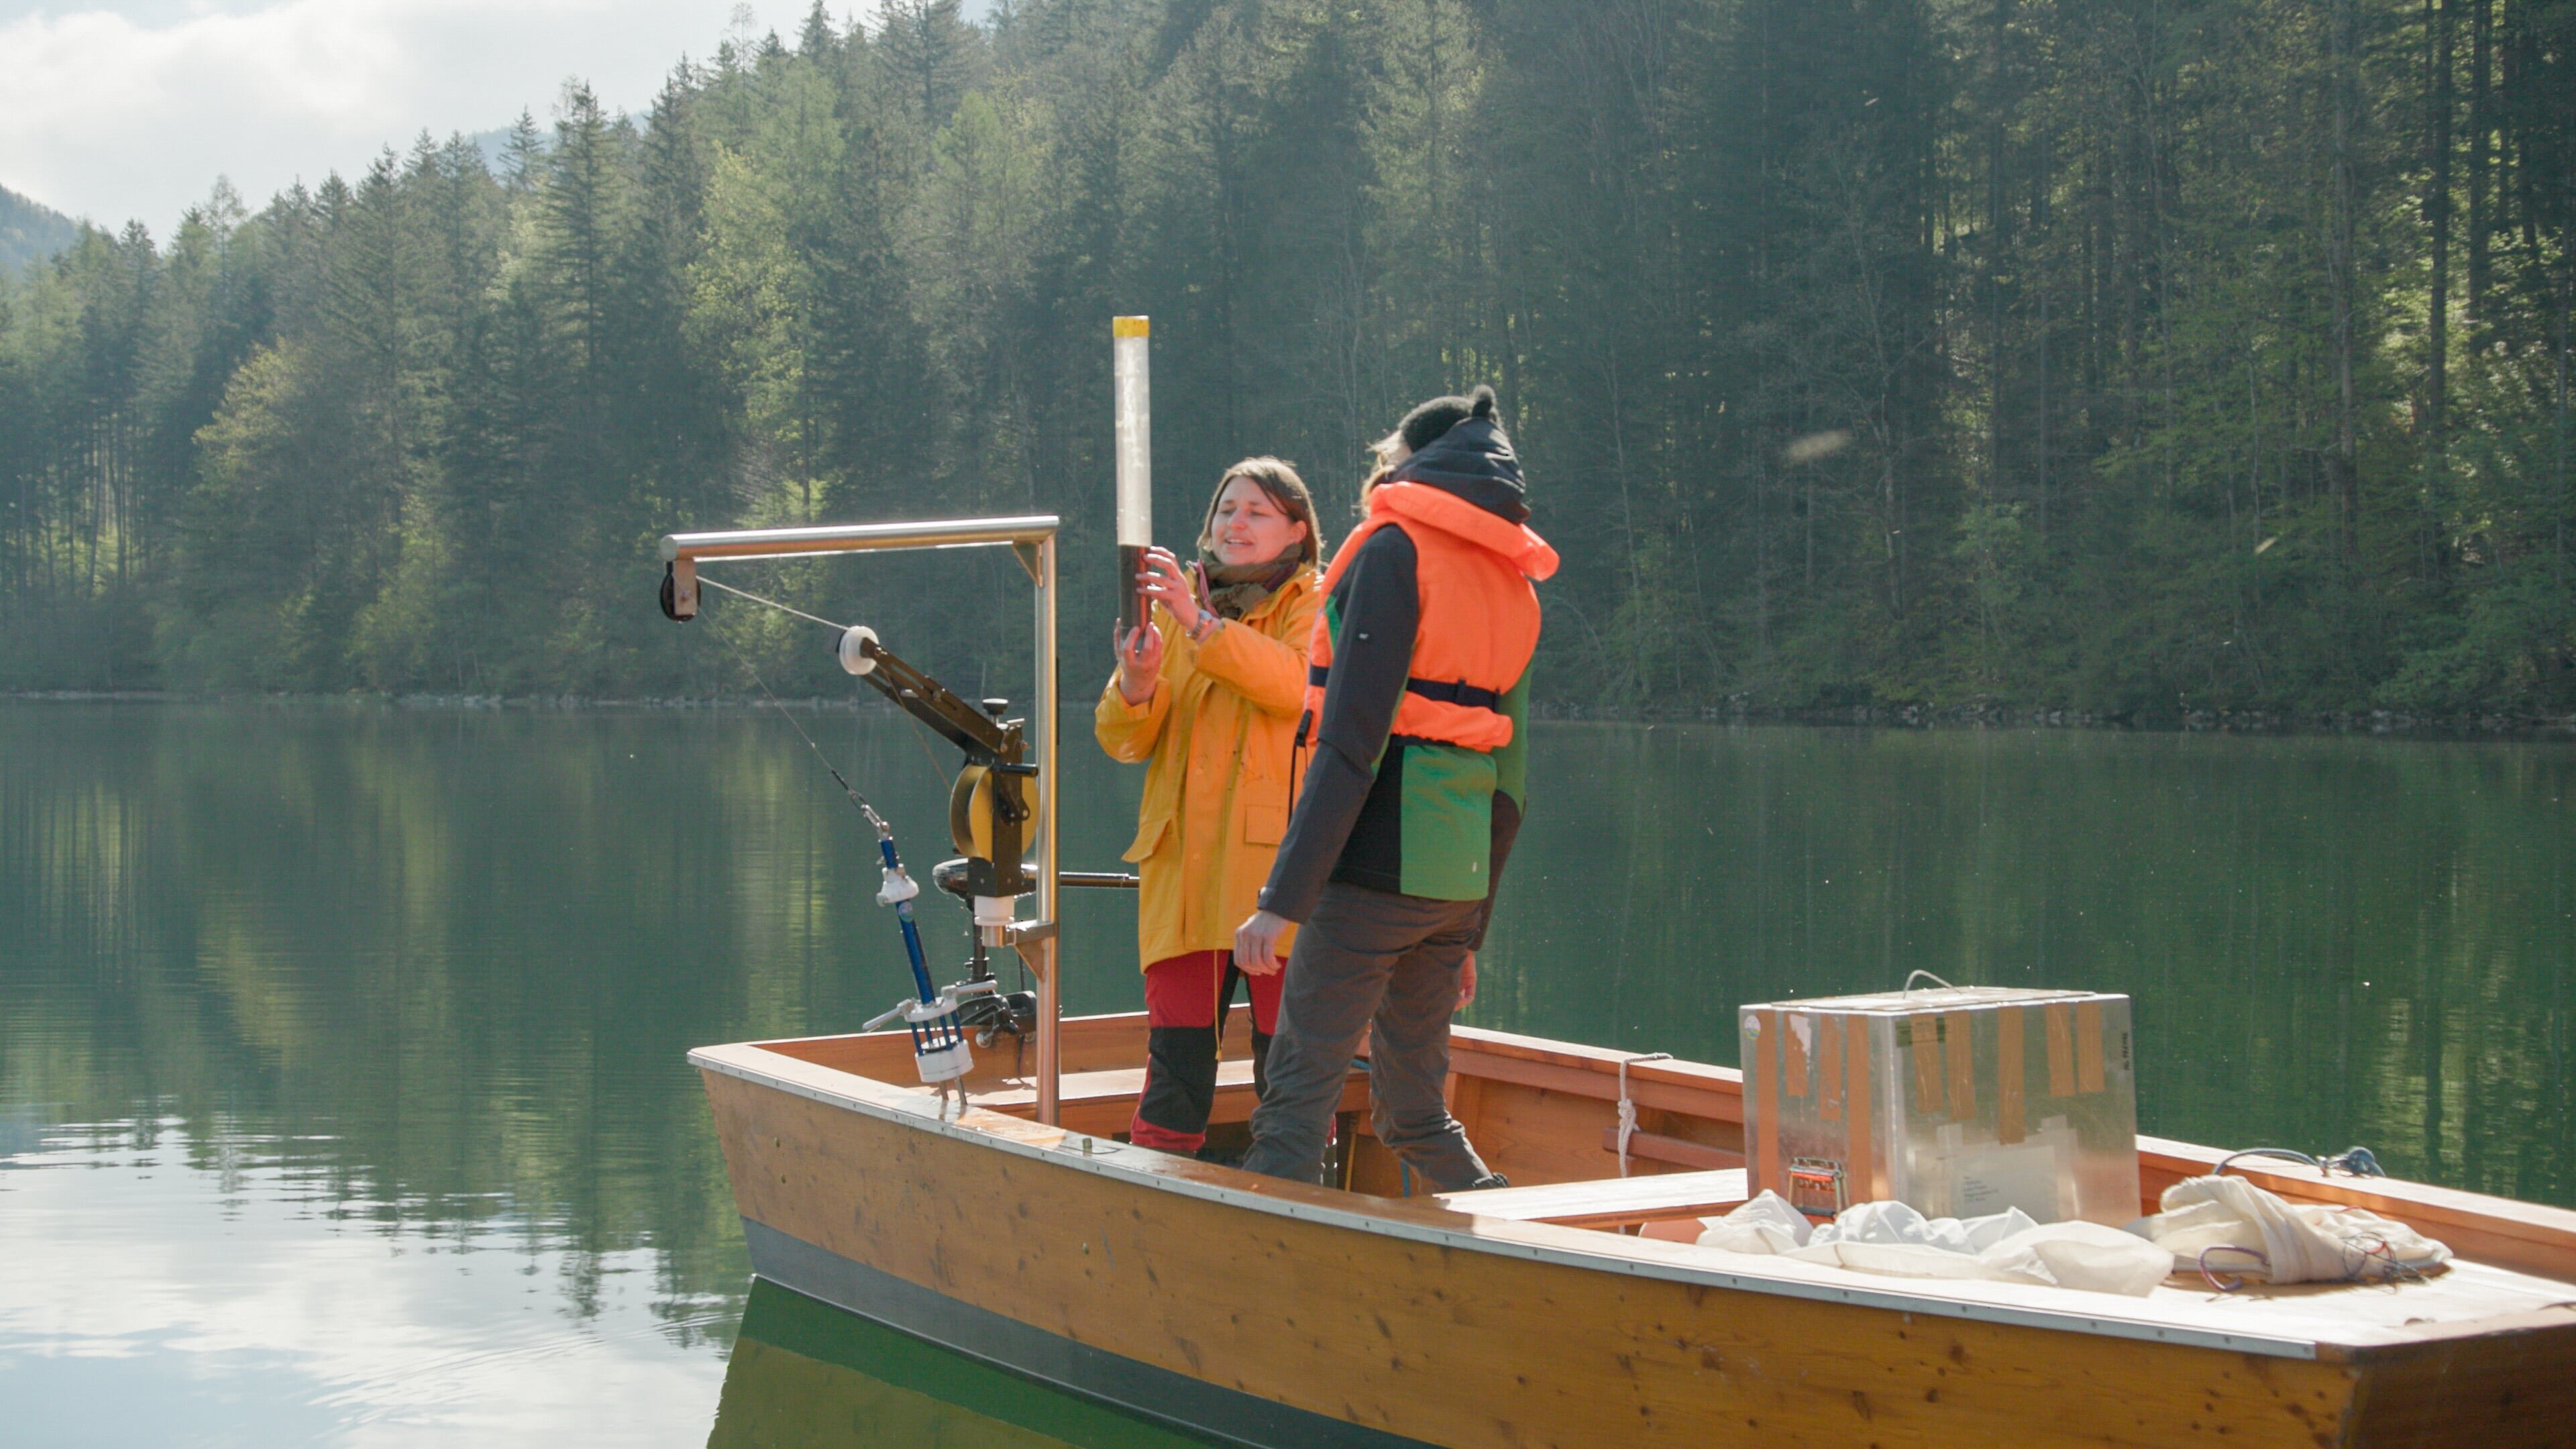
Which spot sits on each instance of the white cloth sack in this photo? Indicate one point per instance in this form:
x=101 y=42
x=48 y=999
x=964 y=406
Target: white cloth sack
x=2091 y=1256
x=1767 y=1224
x=1894 y=1224
x=2302 y=1242
x=1894 y=1240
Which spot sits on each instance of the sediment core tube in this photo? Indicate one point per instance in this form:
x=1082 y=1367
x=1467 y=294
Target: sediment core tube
x=1135 y=411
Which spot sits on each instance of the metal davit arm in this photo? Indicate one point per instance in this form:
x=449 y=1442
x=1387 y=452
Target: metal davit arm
x=859 y=537
x=1033 y=539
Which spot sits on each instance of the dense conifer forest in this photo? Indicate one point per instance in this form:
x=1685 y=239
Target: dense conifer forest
x=2126 y=356
x=30 y=232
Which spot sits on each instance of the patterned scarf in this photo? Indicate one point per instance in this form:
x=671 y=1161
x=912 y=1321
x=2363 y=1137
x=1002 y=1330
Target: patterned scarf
x=1235 y=590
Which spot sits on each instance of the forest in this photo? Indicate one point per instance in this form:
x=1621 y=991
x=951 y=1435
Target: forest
x=2147 y=359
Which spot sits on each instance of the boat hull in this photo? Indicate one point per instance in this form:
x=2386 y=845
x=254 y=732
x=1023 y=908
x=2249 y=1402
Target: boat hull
x=1273 y=1315
x=1191 y=1405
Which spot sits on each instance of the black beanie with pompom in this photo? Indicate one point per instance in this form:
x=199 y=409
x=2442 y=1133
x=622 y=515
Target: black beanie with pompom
x=1423 y=426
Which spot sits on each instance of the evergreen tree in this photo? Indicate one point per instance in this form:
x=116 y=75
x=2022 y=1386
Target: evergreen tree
x=2122 y=357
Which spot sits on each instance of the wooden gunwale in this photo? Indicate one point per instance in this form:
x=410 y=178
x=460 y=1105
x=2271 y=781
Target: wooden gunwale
x=1693 y=1088
x=2526 y=1237
x=1423 y=1220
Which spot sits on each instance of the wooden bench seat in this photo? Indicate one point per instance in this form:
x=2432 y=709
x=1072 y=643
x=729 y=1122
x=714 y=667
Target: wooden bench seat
x=1102 y=1103
x=1608 y=1202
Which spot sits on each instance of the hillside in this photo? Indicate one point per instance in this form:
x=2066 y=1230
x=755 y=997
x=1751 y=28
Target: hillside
x=30 y=230
x=1895 y=358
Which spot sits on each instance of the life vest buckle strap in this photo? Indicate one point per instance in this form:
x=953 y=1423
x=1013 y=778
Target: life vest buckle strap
x=1458 y=692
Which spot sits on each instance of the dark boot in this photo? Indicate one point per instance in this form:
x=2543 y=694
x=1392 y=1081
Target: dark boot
x=1180 y=1089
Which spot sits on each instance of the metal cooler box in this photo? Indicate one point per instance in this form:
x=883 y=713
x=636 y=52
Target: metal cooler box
x=1960 y=1102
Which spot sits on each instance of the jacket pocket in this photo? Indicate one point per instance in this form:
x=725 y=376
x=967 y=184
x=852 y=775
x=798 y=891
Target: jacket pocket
x=1149 y=838
x=1265 y=824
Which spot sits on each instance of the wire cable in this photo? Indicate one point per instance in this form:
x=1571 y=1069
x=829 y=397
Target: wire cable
x=773 y=603
x=743 y=659
x=918 y=735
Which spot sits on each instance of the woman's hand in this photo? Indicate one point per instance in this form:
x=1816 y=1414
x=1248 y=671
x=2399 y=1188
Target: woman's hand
x=1165 y=582
x=1140 y=660
x=1256 y=943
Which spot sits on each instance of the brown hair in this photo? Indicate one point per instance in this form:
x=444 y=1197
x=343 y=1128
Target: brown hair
x=1278 y=478
x=1385 y=456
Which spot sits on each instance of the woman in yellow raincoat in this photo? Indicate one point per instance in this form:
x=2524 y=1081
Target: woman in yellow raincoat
x=1207 y=695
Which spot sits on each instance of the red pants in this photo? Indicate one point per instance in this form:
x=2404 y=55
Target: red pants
x=1187 y=999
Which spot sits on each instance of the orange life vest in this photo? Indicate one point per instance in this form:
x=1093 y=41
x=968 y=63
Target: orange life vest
x=1478 y=621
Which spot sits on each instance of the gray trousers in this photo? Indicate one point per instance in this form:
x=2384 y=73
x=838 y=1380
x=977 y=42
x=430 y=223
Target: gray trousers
x=1385 y=966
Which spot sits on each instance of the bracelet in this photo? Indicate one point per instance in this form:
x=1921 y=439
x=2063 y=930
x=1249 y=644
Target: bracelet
x=1209 y=619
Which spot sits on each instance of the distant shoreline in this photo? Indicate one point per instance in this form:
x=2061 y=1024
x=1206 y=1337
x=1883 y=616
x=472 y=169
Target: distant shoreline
x=2377 y=723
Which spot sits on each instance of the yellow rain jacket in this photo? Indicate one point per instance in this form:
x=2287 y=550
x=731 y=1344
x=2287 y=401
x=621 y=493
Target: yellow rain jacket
x=1216 y=735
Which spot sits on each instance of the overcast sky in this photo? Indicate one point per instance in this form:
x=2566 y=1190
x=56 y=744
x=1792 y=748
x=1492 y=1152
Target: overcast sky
x=123 y=109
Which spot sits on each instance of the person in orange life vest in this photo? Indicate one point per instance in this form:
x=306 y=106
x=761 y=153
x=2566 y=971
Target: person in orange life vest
x=1207 y=692
x=1418 y=693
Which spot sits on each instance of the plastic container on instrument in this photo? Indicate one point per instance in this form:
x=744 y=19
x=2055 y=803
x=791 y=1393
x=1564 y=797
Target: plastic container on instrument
x=1959 y=1102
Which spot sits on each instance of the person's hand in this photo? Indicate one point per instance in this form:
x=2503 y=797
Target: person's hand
x=1140 y=660
x=1165 y=582
x=1256 y=943
x=1467 y=982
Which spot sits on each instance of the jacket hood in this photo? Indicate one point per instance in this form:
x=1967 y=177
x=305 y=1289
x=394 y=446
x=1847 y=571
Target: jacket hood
x=1475 y=461
x=1443 y=509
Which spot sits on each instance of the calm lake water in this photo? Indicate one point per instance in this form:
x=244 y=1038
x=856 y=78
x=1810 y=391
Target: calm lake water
x=341 y=1086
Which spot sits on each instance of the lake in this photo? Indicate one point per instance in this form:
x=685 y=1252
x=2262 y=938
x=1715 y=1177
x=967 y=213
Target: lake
x=342 y=1098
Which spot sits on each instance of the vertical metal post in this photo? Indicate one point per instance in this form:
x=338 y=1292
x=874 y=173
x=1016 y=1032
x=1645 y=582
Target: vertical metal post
x=1051 y=856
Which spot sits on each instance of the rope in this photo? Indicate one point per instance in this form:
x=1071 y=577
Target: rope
x=773 y=603
x=874 y=820
x=2233 y=1281
x=918 y=736
x=1628 y=1109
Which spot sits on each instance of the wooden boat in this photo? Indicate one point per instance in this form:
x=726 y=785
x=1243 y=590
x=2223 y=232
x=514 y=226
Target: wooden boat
x=1000 y=1216
x=1557 y=1311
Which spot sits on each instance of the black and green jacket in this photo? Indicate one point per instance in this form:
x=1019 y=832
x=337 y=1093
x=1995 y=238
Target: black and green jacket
x=1392 y=813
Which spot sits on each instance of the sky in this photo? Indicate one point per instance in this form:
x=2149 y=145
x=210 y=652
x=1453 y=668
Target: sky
x=118 y=110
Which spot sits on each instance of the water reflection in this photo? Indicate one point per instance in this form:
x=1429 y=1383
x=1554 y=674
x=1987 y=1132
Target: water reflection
x=421 y=983
x=231 y=1288
x=805 y=1376
x=2329 y=940
x=341 y=1085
